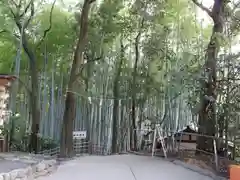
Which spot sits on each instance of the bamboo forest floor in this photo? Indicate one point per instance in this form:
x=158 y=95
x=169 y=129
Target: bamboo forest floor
x=122 y=167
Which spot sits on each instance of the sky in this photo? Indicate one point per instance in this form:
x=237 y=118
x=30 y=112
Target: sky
x=203 y=15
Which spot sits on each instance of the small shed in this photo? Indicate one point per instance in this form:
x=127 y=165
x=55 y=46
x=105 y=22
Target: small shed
x=186 y=135
x=187 y=138
x=5 y=84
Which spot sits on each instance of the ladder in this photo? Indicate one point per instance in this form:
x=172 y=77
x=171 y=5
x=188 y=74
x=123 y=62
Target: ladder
x=159 y=133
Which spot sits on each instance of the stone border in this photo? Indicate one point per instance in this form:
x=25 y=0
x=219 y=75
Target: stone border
x=31 y=172
x=198 y=170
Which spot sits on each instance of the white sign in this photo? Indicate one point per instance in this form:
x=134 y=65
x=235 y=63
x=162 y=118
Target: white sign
x=79 y=134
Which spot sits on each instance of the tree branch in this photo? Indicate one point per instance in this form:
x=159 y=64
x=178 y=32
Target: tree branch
x=201 y=6
x=25 y=9
x=49 y=27
x=17 y=17
x=31 y=15
x=91 y=1
x=8 y=32
x=93 y=60
x=235 y=6
x=2 y=31
x=13 y=14
x=15 y=4
x=85 y=64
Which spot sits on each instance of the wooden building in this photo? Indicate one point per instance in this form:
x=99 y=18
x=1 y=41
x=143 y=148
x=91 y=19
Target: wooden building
x=186 y=135
x=5 y=84
x=187 y=138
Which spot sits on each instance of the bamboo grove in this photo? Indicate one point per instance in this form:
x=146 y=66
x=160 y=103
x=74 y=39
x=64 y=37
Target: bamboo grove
x=107 y=66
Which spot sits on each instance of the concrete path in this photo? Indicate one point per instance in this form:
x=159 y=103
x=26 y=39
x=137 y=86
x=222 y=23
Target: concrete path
x=122 y=167
x=9 y=165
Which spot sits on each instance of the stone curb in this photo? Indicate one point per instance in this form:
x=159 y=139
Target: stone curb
x=31 y=172
x=198 y=170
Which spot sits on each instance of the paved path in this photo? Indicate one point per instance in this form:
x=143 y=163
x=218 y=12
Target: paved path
x=9 y=165
x=122 y=167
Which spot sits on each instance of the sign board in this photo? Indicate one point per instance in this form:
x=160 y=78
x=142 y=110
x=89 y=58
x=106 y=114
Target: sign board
x=79 y=134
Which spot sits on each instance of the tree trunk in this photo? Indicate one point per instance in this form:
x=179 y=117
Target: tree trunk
x=207 y=114
x=34 y=140
x=134 y=74
x=35 y=109
x=133 y=138
x=66 y=146
x=115 y=115
x=66 y=149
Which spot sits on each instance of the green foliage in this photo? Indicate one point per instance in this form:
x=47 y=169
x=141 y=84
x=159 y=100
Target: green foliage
x=44 y=143
x=16 y=128
x=48 y=144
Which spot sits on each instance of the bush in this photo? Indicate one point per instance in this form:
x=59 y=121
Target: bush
x=47 y=144
x=44 y=143
x=20 y=145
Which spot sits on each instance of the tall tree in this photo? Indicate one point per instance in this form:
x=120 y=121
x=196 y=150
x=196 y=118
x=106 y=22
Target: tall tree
x=22 y=14
x=134 y=76
x=116 y=89
x=66 y=146
x=207 y=114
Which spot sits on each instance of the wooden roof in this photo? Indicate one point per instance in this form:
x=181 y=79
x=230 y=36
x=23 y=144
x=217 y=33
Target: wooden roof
x=5 y=79
x=7 y=76
x=188 y=130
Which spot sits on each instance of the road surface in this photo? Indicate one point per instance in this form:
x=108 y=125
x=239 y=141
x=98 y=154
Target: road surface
x=122 y=167
x=9 y=165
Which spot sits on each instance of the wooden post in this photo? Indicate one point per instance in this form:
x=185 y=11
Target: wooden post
x=215 y=154
x=1 y=144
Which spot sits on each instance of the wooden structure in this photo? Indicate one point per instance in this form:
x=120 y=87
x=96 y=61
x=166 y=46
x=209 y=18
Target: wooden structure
x=5 y=84
x=186 y=135
x=186 y=138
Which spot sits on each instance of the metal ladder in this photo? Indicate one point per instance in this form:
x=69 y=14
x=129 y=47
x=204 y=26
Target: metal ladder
x=158 y=132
